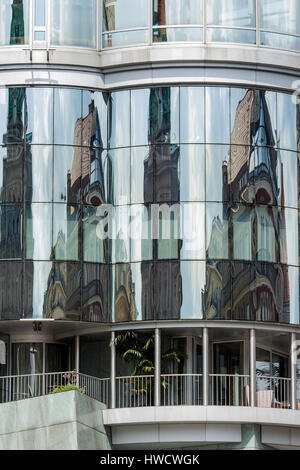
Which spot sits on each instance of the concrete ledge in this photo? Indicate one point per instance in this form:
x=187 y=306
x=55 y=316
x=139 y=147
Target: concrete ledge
x=68 y=420
x=201 y=414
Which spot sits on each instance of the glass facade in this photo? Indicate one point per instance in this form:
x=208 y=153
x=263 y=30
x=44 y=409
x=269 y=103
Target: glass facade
x=76 y=23
x=183 y=207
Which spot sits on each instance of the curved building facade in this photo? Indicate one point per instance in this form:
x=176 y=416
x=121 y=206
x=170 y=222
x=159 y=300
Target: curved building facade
x=149 y=183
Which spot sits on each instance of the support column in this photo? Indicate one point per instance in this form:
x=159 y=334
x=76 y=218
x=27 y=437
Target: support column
x=77 y=358
x=157 y=363
x=112 y=371
x=252 y=368
x=205 y=346
x=293 y=359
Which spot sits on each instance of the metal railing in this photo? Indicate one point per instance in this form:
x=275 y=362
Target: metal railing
x=135 y=391
x=183 y=389
x=20 y=387
x=273 y=392
x=229 y=390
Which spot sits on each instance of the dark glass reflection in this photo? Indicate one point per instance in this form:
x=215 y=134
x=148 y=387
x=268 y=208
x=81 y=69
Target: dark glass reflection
x=10 y=231
x=10 y=290
x=167 y=186
x=168 y=290
x=52 y=290
x=243 y=291
x=270 y=291
x=218 y=290
x=164 y=115
x=95 y=294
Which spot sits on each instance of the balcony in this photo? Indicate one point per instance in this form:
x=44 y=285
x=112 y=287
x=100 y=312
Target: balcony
x=225 y=390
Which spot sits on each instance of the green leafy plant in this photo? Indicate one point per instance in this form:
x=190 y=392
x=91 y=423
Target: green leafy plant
x=67 y=388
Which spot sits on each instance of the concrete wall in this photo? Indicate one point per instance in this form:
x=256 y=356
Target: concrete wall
x=64 y=421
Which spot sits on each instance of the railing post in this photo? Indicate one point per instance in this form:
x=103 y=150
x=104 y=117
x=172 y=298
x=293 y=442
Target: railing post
x=112 y=371
x=252 y=368
x=157 y=374
x=293 y=358
x=205 y=341
x=77 y=358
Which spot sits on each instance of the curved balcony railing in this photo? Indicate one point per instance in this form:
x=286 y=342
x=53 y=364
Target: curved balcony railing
x=138 y=391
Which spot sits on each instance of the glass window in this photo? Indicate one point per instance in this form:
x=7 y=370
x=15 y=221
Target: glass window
x=11 y=173
x=39 y=126
x=14 y=17
x=193 y=289
x=95 y=293
x=68 y=172
x=125 y=38
x=218 y=292
x=141 y=233
x=233 y=13
x=168 y=231
x=68 y=124
x=38 y=184
x=121 y=235
x=164 y=115
x=140 y=103
x=56 y=359
x=287 y=122
x=124 y=293
x=120 y=176
x=245 y=36
x=289 y=237
x=38 y=231
x=217 y=173
x=243 y=291
x=281 y=41
x=27 y=358
x=217 y=231
x=119 y=119
x=66 y=231
x=167 y=186
x=52 y=290
x=263 y=363
x=167 y=289
x=142 y=275
x=242 y=218
x=217 y=115
x=192 y=229
x=12 y=104
x=120 y=15
x=142 y=169
x=177 y=34
x=94 y=119
x=11 y=290
x=267 y=226
x=229 y=358
x=177 y=12
x=192 y=115
x=290 y=313
x=269 y=292
x=94 y=249
x=74 y=23
x=192 y=173
x=280 y=15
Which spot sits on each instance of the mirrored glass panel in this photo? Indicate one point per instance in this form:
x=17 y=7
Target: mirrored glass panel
x=68 y=174
x=12 y=108
x=117 y=15
x=119 y=119
x=280 y=41
x=193 y=289
x=95 y=293
x=192 y=231
x=167 y=288
x=177 y=12
x=234 y=13
x=217 y=115
x=11 y=231
x=94 y=119
x=124 y=307
x=140 y=102
x=218 y=290
x=142 y=275
x=141 y=243
x=164 y=115
x=289 y=237
x=66 y=221
x=52 y=290
x=125 y=38
x=217 y=230
x=11 y=173
x=142 y=169
x=14 y=18
x=283 y=15
x=286 y=119
x=219 y=162
x=270 y=287
x=120 y=175
x=121 y=234
x=242 y=223
x=94 y=247
x=39 y=129
x=192 y=115
x=38 y=239
x=167 y=186
x=177 y=34
x=192 y=172
x=243 y=291
x=68 y=124
x=73 y=23
x=11 y=290
x=39 y=166
x=231 y=35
